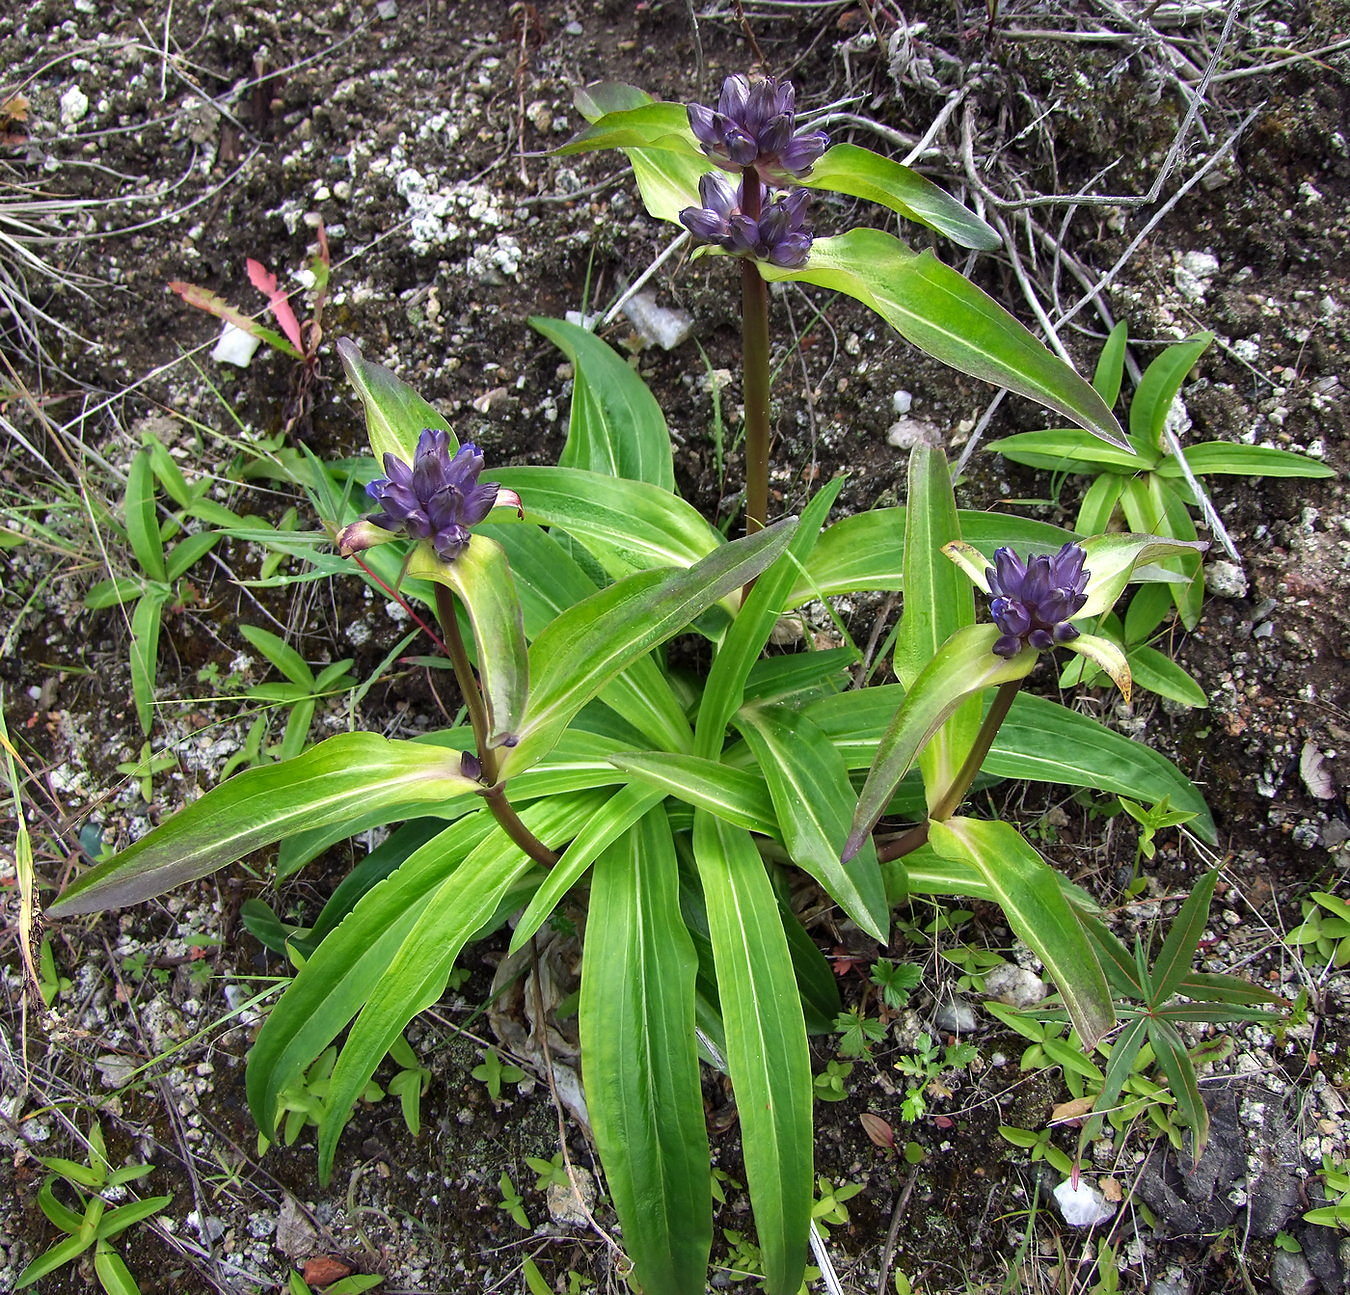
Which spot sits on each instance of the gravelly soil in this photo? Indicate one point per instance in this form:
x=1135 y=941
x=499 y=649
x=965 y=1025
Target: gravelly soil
x=418 y=133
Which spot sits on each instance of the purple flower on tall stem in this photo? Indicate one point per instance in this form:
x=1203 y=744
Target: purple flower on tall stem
x=754 y=124
x=1033 y=601
x=435 y=498
x=779 y=234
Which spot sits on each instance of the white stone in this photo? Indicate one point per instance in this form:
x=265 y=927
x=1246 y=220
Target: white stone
x=902 y=402
x=1225 y=579
x=74 y=106
x=909 y=432
x=235 y=347
x=1083 y=1206
x=1014 y=985
x=658 y=325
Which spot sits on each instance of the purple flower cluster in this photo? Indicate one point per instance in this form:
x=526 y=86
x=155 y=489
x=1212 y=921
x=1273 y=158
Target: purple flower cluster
x=437 y=498
x=1033 y=601
x=754 y=125
x=753 y=131
x=778 y=235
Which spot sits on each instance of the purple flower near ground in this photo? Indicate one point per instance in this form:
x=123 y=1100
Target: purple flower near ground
x=754 y=124
x=779 y=234
x=436 y=498
x=1033 y=601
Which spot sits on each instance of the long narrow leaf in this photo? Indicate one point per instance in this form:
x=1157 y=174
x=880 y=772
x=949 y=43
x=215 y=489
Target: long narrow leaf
x=736 y=795
x=813 y=800
x=142 y=528
x=395 y=414
x=481 y=579
x=767 y=1053
x=740 y=649
x=861 y=173
x=145 y=626
x=619 y=813
x=628 y=525
x=452 y=914
x=932 y=306
x=333 y=781
x=966 y=665
x=939 y=601
x=616 y=426
x=1029 y=894
x=639 y=1061
x=592 y=642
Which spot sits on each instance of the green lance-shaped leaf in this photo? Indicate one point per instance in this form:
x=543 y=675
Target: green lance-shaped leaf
x=1221 y=457
x=1152 y=503
x=938 y=603
x=966 y=664
x=616 y=426
x=592 y=642
x=550 y=581
x=1110 y=370
x=745 y=640
x=639 y=1059
x=867 y=550
x=1047 y=742
x=736 y=795
x=1029 y=893
x=814 y=802
x=1158 y=388
x=943 y=313
x=481 y=578
x=656 y=139
x=1069 y=449
x=395 y=414
x=619 y=813
x=861 y=173
x=628 y=525
x=767 y=1054
x=337 y=779
x=452 y=915
x=346 y=966
x=142 y=528
x=146 y=621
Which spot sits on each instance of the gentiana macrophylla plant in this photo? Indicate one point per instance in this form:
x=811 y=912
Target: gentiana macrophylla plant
x=674 y=819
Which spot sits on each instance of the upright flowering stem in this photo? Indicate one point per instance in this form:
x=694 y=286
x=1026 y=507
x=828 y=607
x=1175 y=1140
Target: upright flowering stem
x=755 y=361
x=951 y=799
x=493 y=793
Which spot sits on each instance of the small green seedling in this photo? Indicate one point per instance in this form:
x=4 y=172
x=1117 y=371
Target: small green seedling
x=493 y=1074
x=895 y=980
x=550 y=1173
x=925 y=1066
x=1325 y=929
x=1151 y=1001
x=858 y=1032
x=829 y=1209
x=830 y=1083
x=512 y=1204
x=144 y=596
x=1152 y=819
x=302 y=691
x=50 y=981
x=144 y=768
x=91 y=1223
x=1039 y=1145
x=1335 y=1175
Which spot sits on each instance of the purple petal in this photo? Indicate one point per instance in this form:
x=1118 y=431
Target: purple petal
x=703 y=122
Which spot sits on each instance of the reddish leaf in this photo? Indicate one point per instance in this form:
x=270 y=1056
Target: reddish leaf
x=266 y=282
x=878 y=1130
x=325 y=1270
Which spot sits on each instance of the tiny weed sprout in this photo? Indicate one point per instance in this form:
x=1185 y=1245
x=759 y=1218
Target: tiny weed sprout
x=688 y=824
